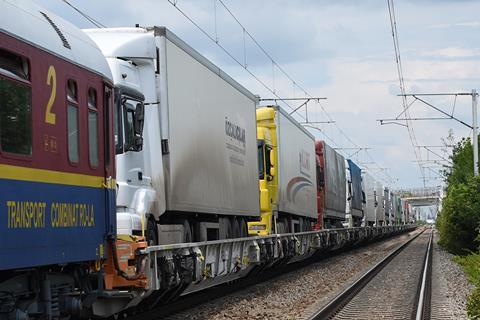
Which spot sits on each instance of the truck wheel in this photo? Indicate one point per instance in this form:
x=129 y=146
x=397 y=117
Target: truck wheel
x=235 y=228
x=187 y=232
x=304 y=224
x=225 y=228
x=282 y=226
x=338 y=224
x=151 y=233
x=243 y=228
x=301 y=224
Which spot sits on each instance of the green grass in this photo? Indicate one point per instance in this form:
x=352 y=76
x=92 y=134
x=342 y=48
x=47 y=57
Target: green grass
x=471 y=266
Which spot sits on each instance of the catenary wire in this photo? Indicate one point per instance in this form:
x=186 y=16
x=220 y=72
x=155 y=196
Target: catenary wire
x=398 y=60
x=83 y=14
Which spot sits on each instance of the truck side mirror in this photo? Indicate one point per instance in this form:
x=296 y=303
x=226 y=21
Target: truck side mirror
x=272 y=159
x=138 y=126
x=269 y=165
x=139 y=119
x=138 y=143
x=272 y=173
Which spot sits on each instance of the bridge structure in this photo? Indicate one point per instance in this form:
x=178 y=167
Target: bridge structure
x=420 y=198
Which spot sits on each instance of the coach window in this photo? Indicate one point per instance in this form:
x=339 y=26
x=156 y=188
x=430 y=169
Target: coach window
x=92 y=127
x=15 y=104
x=72 y=120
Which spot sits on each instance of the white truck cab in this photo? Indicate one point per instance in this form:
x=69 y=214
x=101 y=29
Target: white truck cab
x=131 y=57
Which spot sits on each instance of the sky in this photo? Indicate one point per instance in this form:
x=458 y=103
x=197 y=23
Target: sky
x=341 y=50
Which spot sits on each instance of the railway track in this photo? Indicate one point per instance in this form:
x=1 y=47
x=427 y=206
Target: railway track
x=164 y=310
x=398 y=287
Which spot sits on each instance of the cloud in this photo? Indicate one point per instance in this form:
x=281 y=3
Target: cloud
x=451 y=53
x=468 y=24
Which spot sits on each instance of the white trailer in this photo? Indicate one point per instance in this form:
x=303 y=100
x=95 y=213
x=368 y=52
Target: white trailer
x=387 y=205
x=297 y=186
x=370 y=203
x=194 y=173
x=396 y=210
x=380 y=209
x=403 y=204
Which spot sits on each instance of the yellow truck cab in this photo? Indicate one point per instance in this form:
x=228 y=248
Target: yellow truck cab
x=268 y=174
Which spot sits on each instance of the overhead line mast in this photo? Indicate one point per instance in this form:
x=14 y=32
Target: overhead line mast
x=473 y=126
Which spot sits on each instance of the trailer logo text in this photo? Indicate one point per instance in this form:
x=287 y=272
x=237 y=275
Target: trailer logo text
x=234 y=131
x=304 y=160
x=235 y=142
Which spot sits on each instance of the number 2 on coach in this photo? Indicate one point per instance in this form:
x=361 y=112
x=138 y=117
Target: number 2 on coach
x=51 y=81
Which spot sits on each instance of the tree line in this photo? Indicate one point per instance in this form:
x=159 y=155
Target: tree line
x=459 y=220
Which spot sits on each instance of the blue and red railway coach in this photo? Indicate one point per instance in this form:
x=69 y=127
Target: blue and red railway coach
x=57 y=187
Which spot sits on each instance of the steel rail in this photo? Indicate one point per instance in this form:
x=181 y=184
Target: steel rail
x=423 y=298
x=337 y=303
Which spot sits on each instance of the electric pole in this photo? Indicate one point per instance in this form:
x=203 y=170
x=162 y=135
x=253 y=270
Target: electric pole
x=475 y=134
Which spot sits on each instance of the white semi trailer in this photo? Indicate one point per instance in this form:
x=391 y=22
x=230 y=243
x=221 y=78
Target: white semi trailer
x=370 y=217
x=297 y=183
x=192 y=173
x=387 y=205
x=380 y=209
